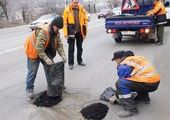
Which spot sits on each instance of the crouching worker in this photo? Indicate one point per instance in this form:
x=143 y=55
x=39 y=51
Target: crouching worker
x=41 y=46
x=137 y=77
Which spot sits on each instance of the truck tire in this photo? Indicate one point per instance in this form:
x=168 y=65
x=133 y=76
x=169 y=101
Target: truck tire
x=118 y=40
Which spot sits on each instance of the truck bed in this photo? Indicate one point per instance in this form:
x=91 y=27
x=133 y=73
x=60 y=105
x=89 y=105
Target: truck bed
x=129 y=22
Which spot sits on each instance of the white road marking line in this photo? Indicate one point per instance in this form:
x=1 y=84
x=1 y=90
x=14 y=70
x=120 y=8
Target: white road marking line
x=11 y=50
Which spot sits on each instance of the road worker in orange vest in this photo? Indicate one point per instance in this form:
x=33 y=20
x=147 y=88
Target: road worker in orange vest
x=137 y=77
x=159 y=11
x=41 y=46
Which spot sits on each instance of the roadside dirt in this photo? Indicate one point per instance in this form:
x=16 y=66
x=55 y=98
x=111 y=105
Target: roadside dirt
x=6 y=24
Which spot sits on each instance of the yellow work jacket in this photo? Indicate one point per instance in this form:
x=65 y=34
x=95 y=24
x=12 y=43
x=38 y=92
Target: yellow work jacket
x=143 y=70
x=158 y=9
x=69 y=22
x=30 y=43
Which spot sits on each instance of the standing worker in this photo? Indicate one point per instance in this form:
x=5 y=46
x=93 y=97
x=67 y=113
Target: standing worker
x=41 y=46
x=159 y=11
x=75 y=28
x=137 y=77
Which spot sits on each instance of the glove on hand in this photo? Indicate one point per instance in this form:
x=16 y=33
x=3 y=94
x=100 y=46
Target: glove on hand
x=66 y=37
x=84 y=37
x=150 y=13
x=112 y=99
x=49 y=62
x=64 y=59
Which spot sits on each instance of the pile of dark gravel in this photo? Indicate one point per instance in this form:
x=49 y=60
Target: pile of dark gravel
x=42 y=100
x=95 y=111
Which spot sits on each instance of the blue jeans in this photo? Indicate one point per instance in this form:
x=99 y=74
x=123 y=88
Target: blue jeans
x=122 y=86
x=32 y=67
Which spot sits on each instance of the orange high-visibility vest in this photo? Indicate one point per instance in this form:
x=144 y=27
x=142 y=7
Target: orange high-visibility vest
x=143 y=70
x=30 y=43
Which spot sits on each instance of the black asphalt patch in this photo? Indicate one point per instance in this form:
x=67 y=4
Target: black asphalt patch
x=95 y=111
x=42 y=100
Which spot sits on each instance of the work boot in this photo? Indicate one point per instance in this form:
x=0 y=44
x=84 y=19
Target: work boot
x=128 y=113
x=160 y=43
x=82 y=64
x=64 y=87
x=129 y=106
x=70 y=67
x=30 y=94
x=144 y=97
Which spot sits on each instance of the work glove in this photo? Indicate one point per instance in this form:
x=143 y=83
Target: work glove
x=49 y=62
x=115 y=100
x=112 y=99
x=66 y=37
x=149 y=13
x=64 y=59
x=84 y=37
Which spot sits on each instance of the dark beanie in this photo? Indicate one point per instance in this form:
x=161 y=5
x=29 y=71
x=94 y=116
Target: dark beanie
x=129 y=53
x=58 y=22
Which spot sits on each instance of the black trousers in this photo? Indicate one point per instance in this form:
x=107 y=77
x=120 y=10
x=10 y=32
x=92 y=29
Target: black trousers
x=71 y=41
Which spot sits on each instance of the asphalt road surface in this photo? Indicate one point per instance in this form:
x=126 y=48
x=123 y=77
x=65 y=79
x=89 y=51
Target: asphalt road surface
x=83 y=84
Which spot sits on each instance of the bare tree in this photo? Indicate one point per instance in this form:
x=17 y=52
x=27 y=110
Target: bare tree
x=24 y=11
x=60 y=5
x=110 y=3
x=3 y=4
x=1 y=12
x=48 y=5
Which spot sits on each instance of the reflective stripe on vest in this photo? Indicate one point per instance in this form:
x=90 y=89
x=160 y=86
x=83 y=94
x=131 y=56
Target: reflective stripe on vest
x=162 y=23
x=132 y=63
x=144 y=68
x=150 y=74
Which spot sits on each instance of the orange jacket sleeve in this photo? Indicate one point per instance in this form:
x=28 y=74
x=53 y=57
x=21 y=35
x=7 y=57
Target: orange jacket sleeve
x=65 y=18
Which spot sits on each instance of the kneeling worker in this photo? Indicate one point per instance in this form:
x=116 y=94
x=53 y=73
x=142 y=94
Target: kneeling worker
x=136 y=75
